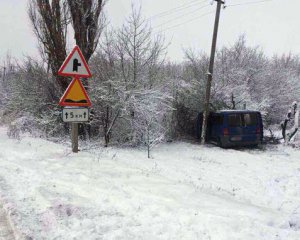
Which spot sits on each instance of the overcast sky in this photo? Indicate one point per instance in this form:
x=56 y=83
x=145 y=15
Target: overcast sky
x=274 y=25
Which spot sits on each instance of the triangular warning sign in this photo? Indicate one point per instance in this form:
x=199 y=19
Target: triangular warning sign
x=75 y=65
x=75 y=95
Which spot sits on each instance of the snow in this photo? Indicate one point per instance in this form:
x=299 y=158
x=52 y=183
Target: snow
x=5 y=231
x=185 y=191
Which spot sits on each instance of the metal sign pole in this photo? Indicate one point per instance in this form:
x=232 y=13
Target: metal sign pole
x=74 y=137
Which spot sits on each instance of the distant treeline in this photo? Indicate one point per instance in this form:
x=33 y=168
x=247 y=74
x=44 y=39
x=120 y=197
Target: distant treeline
x=140 y=98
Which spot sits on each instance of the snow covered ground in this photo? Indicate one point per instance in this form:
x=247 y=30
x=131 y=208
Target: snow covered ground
x=6 y=233
x=186 y=191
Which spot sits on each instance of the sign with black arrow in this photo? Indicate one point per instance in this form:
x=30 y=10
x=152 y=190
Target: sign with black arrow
x=75 y=65
x=75 y=114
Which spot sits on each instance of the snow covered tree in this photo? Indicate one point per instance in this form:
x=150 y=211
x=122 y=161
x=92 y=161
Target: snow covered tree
x=50 y=24
x=238 y=68
x=281 y=85
x=7 y=70
x=127 y=73
x=140 y=55
x=104 y=88
x=188 y=87
x=292 y=120
x=151 y=109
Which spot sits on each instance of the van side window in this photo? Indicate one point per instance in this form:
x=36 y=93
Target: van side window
x=218 y=120
x=250 y=119
x=234 y=120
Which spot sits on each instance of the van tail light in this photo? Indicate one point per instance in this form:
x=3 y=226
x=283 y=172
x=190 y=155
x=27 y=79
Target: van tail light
x=225 y=131
x=257 y=130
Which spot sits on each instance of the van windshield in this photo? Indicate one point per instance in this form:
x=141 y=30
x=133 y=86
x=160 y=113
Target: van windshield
x=242 y=119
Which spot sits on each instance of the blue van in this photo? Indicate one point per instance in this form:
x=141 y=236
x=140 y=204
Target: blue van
x=230 y=128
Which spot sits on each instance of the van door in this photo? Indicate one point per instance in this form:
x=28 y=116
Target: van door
x=217 y=126
x=250 y=125
x=235 y=126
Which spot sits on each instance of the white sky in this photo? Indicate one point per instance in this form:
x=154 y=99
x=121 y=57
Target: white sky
x=274 y=25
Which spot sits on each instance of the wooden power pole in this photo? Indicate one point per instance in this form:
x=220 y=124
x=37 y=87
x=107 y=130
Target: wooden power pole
x=210 y=71
x=4 y=74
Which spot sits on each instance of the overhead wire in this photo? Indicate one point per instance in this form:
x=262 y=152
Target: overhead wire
x=180 y=16
x=190 y=20
x=177 y=9
x=248 y=3
x=205 y=14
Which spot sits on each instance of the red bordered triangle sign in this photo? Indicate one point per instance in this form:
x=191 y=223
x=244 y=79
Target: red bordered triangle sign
x=75 y=65
x=75 y=95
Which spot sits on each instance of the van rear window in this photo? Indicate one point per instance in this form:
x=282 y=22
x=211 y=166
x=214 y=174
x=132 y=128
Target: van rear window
x=234 y=120
x=242 y=119
x=250 y=119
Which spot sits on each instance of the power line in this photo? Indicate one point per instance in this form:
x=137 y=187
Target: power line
x=208 y=13
x=191 y=20
x=178 y=9
x=248 y=3
x=182 y=15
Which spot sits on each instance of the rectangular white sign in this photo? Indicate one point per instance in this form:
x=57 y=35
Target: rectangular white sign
x=75 y=114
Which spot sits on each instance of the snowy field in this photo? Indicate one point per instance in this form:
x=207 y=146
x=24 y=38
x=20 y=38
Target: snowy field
x=185 y=191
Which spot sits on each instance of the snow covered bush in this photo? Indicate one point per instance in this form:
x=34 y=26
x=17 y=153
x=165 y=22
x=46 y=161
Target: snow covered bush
x=31 y=100
x=21 y=125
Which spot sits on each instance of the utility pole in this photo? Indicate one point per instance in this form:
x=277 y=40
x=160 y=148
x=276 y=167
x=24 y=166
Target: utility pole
x=210 y=71
x=3 y=73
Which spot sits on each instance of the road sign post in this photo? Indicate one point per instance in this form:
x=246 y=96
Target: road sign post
x=74 y=137
x=75 y=99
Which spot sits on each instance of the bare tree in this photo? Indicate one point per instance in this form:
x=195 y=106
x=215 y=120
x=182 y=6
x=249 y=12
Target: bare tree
x=87 y=23
x=50 y=23
x=104 y=87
